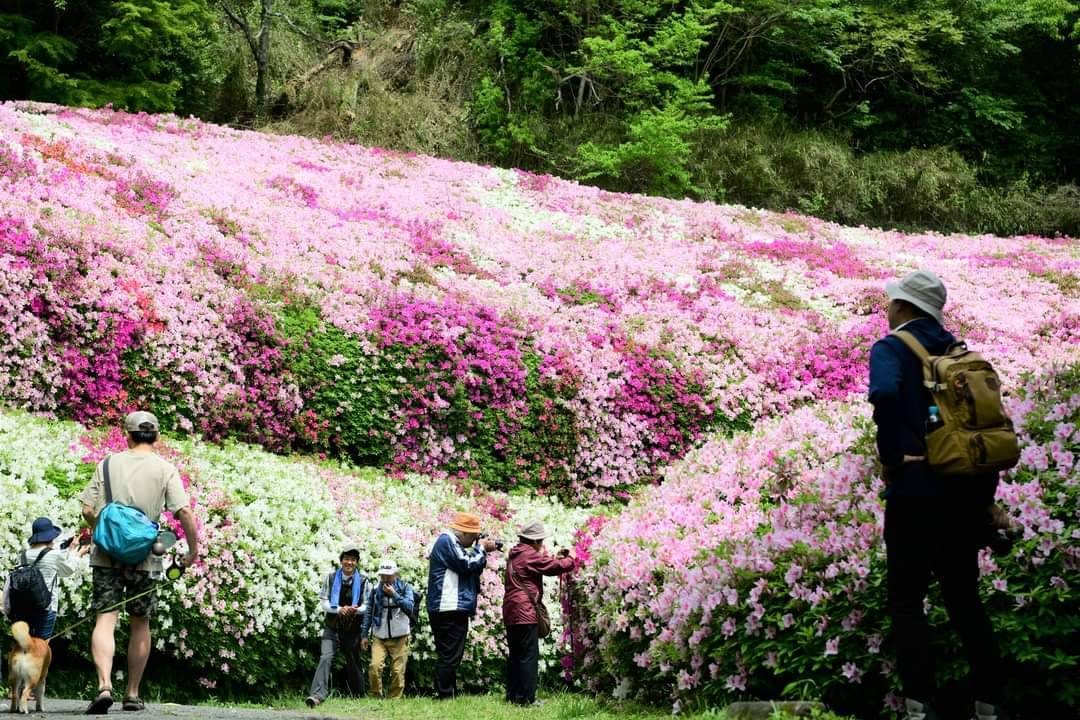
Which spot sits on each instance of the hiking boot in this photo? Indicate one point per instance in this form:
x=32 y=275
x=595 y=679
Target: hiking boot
x=312 y=701
x=919 y=711
x=986 y=711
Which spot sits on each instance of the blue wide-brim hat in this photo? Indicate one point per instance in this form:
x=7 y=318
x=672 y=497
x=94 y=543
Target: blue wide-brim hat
x=44 y=531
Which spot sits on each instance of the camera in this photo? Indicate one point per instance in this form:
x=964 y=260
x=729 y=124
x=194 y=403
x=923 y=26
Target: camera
x=64 y=545
x=498 y=543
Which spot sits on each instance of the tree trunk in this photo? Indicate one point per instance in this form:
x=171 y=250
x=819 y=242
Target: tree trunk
x=259 y=44
x=262 y=60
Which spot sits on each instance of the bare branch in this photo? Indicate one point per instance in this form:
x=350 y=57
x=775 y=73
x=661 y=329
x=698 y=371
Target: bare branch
x=241 y=22
x=303 y=33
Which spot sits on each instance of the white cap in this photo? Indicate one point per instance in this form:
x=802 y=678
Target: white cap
x=388 y=567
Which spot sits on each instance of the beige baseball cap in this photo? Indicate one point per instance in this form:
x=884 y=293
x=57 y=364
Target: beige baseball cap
x=140 y=421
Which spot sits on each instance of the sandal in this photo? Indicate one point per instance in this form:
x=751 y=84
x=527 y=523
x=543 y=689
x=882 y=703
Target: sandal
x=134 y=703
x=101 y=704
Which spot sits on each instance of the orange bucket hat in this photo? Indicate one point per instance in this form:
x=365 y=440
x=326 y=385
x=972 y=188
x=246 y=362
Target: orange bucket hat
x=466 y=522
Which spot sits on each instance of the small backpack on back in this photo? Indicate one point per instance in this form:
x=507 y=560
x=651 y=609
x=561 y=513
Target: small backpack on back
x=122 y=532
x=28 y=593
x=975 y=436
x=414 y=616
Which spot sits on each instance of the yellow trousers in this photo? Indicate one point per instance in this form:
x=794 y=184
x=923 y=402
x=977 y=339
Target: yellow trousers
x=398 y=651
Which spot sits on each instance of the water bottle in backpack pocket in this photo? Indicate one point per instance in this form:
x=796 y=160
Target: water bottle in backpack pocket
x=122 y=532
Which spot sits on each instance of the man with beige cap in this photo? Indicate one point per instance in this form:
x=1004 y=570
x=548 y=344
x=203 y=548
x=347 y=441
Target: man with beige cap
x=527 y=564
x=455 y=564
x=931 y=522
x=139 y=478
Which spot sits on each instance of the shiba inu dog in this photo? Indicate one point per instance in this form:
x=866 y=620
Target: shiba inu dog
x=28 y=664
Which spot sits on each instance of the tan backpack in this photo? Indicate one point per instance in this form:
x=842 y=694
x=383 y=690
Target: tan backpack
x=975 y=436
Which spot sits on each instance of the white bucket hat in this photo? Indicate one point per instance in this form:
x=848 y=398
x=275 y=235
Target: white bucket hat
x=923 y=289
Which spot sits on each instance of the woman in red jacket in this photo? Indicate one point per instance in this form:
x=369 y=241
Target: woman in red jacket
x=526 y=565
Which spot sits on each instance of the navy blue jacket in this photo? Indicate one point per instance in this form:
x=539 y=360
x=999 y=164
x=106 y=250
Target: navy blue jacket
x=901 y=407
x=454 y=575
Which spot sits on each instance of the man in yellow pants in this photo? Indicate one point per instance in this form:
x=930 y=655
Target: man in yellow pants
x=388 y=624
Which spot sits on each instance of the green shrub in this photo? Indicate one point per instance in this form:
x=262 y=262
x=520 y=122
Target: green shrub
x=68 y=484
x=349 y=394
x=776 y=167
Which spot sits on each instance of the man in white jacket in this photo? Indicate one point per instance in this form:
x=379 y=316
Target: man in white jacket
x=388 y=624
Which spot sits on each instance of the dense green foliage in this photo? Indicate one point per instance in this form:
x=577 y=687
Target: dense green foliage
x=346 y=386
x=149 y=55
x=952 y=114
x=639 y=88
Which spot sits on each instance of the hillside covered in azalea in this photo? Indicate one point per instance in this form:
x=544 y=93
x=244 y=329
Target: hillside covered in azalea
x=438 y=336
x=443 y=317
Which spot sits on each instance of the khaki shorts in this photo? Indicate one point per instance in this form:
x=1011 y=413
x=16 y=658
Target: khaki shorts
x=115 y=585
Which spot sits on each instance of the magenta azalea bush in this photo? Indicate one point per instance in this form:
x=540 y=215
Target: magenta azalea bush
x=757 y=568
x=476 y=322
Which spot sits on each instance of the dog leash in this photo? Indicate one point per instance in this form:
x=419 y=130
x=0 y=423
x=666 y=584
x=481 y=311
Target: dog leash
x=88 y=618
x=172 y=573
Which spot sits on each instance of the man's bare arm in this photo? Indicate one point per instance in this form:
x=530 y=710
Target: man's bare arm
x=89 y=516
x=187 y=522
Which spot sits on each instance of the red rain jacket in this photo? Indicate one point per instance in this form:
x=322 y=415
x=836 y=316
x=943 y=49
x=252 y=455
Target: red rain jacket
x=528 y=566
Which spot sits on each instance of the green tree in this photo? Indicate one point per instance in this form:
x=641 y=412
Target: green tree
x=623 y=69
x=152 y=55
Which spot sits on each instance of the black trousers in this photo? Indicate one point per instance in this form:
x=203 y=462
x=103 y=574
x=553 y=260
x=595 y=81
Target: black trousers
x=449 y=629
x=522 y=667
x=931 y=537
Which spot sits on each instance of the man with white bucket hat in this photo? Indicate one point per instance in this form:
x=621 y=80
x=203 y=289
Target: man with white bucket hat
x=932 y=522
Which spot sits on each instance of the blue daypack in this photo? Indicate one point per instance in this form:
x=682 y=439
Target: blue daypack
x=122 y=532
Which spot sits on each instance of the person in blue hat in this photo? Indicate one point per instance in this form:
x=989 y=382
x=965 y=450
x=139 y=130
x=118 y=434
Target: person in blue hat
x=53 y=564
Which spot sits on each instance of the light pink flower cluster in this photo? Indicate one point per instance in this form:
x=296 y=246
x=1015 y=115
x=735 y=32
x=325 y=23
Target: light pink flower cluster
x=759 y=562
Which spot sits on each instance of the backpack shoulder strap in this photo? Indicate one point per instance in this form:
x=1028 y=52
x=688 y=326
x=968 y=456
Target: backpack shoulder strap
x=509 y=572
x=43 y=553
x=916 y=347
x=105 y=477
x=913 y=344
